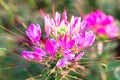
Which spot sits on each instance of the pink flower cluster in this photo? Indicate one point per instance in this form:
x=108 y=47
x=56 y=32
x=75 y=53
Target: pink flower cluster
x=102 y=25
x=65 y=41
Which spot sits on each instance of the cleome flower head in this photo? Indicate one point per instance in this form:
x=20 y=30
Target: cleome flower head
x=101 y=24
x=65 y=42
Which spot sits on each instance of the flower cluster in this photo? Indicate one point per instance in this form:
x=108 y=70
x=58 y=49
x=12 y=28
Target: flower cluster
x=102 y=25
x=65 y=41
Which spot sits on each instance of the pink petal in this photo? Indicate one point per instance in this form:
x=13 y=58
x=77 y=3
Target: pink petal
x=28 y=55
x=68 y=55
x=83 y=25
x=48 y=25
x=50 y=47
x=54 y=43
x=113 y=31
x=90 y=37
x=42 y=13
x=60 y=39
x=79 y=56
x=76 y=37
x=34 y=33
x=101 y=31
x=38 y=57
x=29 y=32
x=70 y=44
x=82 y=39
x=57 y=18
x=64 y=15
x=75 y=24
x=39 y=51
x=61 y=62
x=64 y=40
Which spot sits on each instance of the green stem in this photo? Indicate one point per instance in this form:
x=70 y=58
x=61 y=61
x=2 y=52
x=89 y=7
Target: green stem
x=72 y=77
x=53 y=70
x=102 y=73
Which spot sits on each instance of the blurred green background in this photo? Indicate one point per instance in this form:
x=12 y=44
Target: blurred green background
x=16 y=15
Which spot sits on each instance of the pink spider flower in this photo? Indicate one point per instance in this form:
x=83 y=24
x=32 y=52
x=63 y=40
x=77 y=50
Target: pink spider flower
x=103 y=25
x=63 y=39
x=34 y=33
x=67 y=34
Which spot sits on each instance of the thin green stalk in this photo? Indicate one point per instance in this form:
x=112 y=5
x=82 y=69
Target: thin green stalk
x=72 y=77
x=102 y=74
x=51 y=71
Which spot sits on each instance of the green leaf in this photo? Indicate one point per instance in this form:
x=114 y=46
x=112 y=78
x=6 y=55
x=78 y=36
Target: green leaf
x=104 y=66
x=3 y=51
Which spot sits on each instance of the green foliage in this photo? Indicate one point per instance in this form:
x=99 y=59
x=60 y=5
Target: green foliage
x=16 y=15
